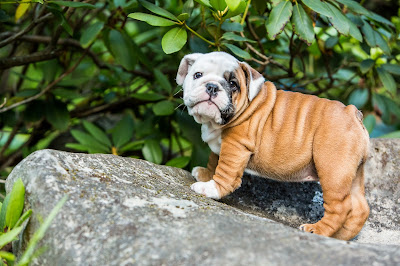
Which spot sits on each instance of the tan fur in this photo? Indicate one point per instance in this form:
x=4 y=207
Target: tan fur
x=290 y=136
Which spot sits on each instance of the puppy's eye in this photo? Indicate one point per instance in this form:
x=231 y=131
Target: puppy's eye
x=197 y=75
x=233 y=84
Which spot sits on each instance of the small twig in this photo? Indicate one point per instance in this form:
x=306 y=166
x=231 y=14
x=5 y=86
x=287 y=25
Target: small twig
x=245 y=12
x=26 y=30
x=76 y=44
x=4 y=103
x=10 y=138
x=49 y=87
x=254 y=34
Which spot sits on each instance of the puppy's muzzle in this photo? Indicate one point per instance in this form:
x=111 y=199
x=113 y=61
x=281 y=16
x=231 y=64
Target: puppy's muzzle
x=212 y=90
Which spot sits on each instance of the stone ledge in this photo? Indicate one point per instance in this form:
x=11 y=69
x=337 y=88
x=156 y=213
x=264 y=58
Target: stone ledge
x=123 y=211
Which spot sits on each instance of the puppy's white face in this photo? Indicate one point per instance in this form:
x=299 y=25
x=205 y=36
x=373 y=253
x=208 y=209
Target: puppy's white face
x=210 y=86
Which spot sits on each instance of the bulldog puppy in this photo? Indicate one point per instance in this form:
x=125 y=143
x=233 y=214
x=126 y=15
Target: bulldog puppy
x=250 y=126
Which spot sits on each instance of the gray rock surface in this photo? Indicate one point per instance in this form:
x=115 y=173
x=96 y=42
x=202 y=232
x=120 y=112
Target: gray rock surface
x=123 y=211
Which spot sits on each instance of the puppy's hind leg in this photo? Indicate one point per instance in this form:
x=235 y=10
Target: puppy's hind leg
x=360 y=209
x=336 y=182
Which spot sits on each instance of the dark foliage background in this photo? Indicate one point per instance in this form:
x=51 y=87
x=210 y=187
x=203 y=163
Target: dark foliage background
x=94 y=76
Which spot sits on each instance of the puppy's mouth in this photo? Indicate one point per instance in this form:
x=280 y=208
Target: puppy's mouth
x=209 y=101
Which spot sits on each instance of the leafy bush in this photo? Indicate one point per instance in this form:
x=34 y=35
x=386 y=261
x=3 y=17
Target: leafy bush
x=98 y=76
x=11 y=225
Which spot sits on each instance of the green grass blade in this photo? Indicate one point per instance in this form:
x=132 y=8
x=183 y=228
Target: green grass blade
x=39 y=234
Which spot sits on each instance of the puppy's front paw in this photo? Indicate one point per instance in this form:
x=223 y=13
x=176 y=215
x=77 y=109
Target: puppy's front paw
x=208 y=189
x=201 y=174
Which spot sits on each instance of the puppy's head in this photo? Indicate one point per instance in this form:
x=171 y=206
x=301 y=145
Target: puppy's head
x=216 y=86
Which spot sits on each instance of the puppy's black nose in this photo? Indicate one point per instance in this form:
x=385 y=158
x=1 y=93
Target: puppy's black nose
x=212 y=89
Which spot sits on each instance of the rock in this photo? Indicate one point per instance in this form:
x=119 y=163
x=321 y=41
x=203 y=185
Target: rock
x=297 y=203
x=123 y=211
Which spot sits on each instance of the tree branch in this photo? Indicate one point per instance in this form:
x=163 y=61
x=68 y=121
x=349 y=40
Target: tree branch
x=49 y=87
x=27 y=59
x=26 y=30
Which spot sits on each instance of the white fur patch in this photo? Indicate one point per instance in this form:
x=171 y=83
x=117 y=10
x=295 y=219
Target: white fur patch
x=255 y=87
x=211 y=134
x=195 y=172
x=208 y=189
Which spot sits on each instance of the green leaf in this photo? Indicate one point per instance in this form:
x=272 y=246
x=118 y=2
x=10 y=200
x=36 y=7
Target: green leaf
x=233 y=4
x=218 y=4
x=163 y=108
x=97 y=133
x=133 y=146
x=387 y=80
x=355 y=7
x=359 y=97
x=73 y=4
x=331 y=42
x=62 y=21
x=380 y=102
x=319 y=7
x=123 y=49
x=369 y=123
x=9 y=236
x=152 y=20
x=7 y=256
x=382 y=43
x=3 y=213
x=240 y=9
x=237 y=51
x=380 y=19
x=148 y=96
x=391 y=135
x=162 y=80
x=87 y=140
x=392 y=68
x=354 y=31
x=302 y=25
x=50 y=69
x=122 y=132
x=57 y=115
x=23 y=218
x=233 y=37
x=174 y=40
x=152 y=151
x=204 y=2
x=366 y=65
x=339 y=21
x=232 y=26
x=188 y=7
x=15 y=204
x=39 y=233
x=179 y=162
x=278 y=18
x=369 y=34
x=77 y=146
x=158 y=10
x=183 y=16
x=90 y=34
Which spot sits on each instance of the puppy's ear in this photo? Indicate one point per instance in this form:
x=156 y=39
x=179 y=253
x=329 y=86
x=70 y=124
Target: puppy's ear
x=254 y=80
x=184 y=66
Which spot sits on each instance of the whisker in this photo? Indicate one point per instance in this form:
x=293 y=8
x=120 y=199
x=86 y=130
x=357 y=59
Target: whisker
x=180 y=106
x=178 y=92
